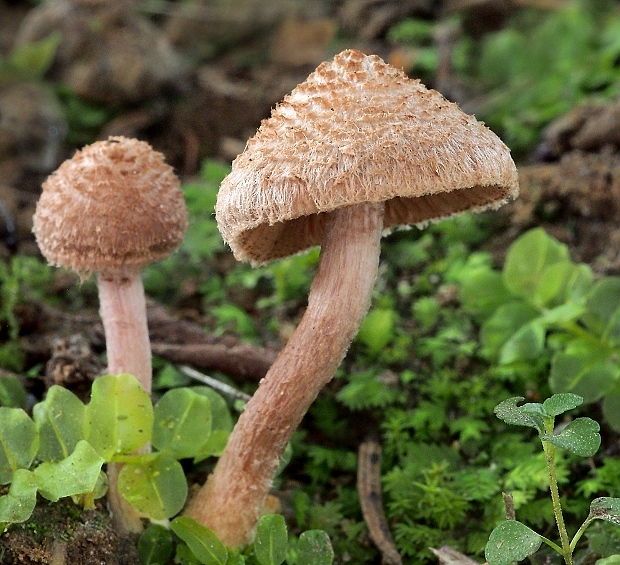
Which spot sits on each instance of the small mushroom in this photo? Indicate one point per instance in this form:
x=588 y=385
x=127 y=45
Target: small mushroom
x=354 y=150
x=112 y=209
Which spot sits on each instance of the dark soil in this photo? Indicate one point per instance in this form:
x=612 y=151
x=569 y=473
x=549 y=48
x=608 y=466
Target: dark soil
x=63 y=533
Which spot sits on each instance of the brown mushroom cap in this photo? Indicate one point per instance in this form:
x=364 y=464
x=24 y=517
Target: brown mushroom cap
x=115 y=205
x=358 y=130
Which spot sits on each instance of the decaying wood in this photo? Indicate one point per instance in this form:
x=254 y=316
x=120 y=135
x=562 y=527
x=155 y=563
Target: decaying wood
x=371 y=500
x=174 y=339
x=184 y=342
x=449 y=556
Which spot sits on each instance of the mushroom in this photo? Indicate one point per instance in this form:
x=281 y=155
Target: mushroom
x=354 y=150
x=112 y=209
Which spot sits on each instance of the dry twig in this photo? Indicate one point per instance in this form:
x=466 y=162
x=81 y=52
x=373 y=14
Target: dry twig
x=371 y=500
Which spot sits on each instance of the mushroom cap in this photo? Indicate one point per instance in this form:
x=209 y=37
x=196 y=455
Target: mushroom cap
x=358 y=130
x=113 y=208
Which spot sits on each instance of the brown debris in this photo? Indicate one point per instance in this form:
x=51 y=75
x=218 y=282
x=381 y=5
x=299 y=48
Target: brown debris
x=588 y=127
x=371 y=500
x=449 y=556
x=182 y=341
x=73 y=365
x=69 y=338
x=577 y=200
x=108 y=53
x=62 y=533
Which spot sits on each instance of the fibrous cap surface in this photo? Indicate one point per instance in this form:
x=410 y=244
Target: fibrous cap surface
x=115 y=205
x=358 y=130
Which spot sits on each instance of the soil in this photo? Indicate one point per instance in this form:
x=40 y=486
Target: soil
x=195 y=80
x=63 y=533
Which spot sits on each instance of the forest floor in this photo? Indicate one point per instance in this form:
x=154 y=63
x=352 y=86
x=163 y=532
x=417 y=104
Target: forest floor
x=195 y=81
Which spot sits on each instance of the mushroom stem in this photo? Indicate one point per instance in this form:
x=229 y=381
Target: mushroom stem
x=123 y=312
x=122 y=307
x=231 y=501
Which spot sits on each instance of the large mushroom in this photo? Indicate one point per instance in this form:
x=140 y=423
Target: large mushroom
x=112 y=209
x=354 y=150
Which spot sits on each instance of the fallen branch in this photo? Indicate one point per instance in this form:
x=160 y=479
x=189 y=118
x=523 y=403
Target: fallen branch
x=371 y=500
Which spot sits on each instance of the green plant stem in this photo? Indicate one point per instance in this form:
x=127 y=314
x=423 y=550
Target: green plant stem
x=549 y=450
x=552 y=545
x=579 y=533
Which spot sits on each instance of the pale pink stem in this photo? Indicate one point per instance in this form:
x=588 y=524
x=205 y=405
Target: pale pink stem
x=232 y=500
x=123 y=312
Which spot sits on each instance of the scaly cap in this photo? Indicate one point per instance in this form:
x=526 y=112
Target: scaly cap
x=115 y=205
x=358 y=130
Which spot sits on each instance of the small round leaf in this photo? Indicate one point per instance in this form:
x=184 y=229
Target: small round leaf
x=580 y=437
x=202 y=541
x=156 y=486
x=511 y=541
x=562 y=402
x=315 y=548
x=271 y=541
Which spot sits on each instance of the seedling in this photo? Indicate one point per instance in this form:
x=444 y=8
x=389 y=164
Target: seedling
x=61 y=450
x=271 y=545
x=514 y=541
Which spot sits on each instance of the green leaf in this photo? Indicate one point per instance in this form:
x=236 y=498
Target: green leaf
x=77 y=474
x=483 y=291
x=560 y=403
x=526 y=344
x=235 y=558
x=19 y=442
x=561 y=314
x=234 y=319
x=156 y=486
x=271 y=541
x=203 y=542
x=577 y=284
x=155 y=545
x=528 y=258
x=603 y=316
x=119 y=416
x=611 y=560
x=606 y=508
x=588 y=373
x=552 y=282
x=184 y=556
x=563 y=285
x=12 y=393
x=525 y=415
x=507 y=320
x=60 y=422
x=182 y=422
x=18 y=504
x=366 y=390
x=580 y=437
x=314 y=548
x=221 y=424
x=511 y=541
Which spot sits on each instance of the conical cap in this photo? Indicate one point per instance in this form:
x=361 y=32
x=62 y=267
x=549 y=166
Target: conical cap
x=358 y=130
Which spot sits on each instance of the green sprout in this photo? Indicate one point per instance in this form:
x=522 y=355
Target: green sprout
x=514 y=541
